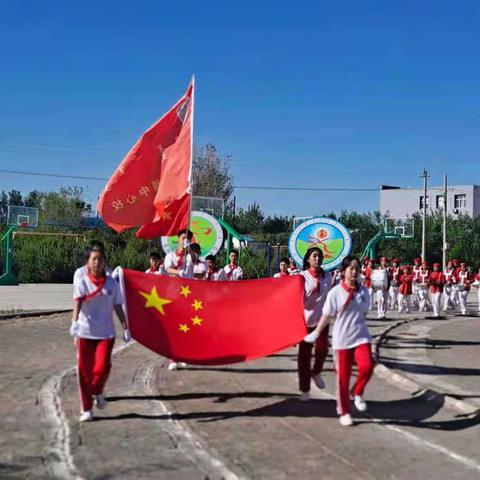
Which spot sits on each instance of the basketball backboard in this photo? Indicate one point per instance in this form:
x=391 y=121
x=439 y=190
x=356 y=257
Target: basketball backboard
x=400 y=227
x=22 y=216
x=212 y=205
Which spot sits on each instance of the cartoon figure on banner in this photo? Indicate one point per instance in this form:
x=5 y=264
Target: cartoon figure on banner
x=318 y=240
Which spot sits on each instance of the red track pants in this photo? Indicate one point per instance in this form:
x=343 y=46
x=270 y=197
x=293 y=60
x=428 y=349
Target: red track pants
x=362 y=355
x=94 y=364
x=304 y=361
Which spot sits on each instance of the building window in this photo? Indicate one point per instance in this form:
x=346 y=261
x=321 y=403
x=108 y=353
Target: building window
x=460 y=201
x=441 y=201
x=421 y=202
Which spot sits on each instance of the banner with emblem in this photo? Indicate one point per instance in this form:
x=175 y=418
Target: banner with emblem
x=151 y=188
x=214 y=323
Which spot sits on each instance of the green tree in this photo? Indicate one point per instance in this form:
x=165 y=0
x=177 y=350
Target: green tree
x=211 y=173
x=15 y=198
x=250 y=220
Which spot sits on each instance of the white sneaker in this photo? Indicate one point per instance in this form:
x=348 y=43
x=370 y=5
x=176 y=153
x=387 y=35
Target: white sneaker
x=101 y=402
x=360 y=403
x=311 y=337
x=86 y=416
x=346 y=420
x=172 y=366
x=182 y=365
x=319 y=381
x=305 y=396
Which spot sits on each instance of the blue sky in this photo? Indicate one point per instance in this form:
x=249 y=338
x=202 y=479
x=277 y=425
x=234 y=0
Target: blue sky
x=304 y=94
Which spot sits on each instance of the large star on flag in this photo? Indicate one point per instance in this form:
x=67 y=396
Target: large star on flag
x=154 y=301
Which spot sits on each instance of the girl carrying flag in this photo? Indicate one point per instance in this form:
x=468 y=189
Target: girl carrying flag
x=96 y=295
x=347 y=305
x=317 y=285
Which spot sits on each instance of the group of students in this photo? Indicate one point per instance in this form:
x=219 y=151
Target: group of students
x=97 y=295
x=420 y=288
x=185 y=262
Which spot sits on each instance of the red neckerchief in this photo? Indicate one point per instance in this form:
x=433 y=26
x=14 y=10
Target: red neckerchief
x=232 y=267
x=351 y=293
x=181 y=258
x=317 y=275
x=153 y=270
x=283 y=274
x=99 y=282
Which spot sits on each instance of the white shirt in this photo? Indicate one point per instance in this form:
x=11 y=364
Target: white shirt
x=160 y=271
x=200 y=268
x=186 y=269
x=233 y=274
x=316 y=290
x=350 y=327
x=216 y=276
x=96 y=315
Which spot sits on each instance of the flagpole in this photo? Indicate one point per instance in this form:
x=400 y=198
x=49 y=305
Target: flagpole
x=191 y=153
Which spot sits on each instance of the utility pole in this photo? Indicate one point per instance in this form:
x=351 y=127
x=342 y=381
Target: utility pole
x=425 y=176
x=445 y=216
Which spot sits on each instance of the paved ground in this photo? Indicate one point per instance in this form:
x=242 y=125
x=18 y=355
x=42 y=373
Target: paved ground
x=441 y=354
x=36 y=296
x=241 y=421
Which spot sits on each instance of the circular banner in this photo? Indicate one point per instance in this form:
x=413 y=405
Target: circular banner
x=330 y=236
x=207 y=232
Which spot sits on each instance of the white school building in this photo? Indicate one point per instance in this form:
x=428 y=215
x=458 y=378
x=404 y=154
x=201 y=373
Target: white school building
x=397 y=202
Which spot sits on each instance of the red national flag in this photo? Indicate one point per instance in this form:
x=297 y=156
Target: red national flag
x=151 y=187
x=214 y=323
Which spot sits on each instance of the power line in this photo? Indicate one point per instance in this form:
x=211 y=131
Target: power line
x=238 y=187
x=307 y=189
x=52 y=175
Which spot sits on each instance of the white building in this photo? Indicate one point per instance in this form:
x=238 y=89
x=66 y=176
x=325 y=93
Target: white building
x=397 y=202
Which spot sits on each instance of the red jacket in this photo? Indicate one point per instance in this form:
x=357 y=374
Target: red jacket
x=436 y=280
x=406 y=280
x=464 y=278
x=450 y=277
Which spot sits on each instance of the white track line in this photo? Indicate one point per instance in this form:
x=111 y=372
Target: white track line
x=57 y=453
x=188 y=442
x=465 y=461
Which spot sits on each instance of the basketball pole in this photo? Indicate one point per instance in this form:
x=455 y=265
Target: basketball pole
x=424 y=175
x=445 y=217
x=8 y=278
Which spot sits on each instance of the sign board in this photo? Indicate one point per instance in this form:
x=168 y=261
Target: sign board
x=330 y=236
x=207 y=232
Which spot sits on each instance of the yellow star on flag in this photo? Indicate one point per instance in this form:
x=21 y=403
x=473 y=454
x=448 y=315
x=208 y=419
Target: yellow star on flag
x=165 y=215
x=185 y=291
x=197 y=305
x=183 y=327
x=154 y=301
x=196 y=320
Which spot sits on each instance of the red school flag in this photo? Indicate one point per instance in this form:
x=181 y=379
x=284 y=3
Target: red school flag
x=151 y=188
x=214 y=323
